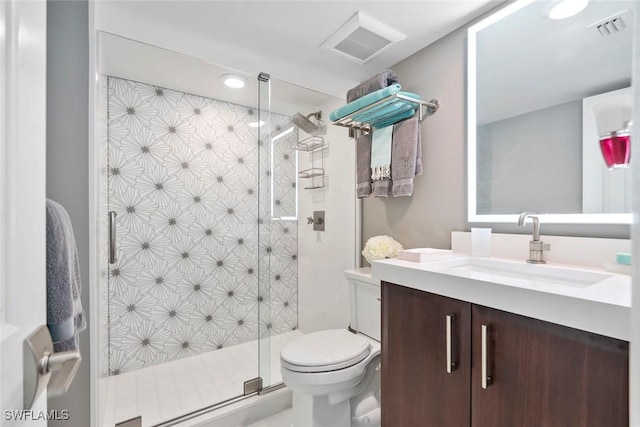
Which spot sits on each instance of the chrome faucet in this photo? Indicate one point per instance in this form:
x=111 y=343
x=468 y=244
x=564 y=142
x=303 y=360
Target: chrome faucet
x=536 y=247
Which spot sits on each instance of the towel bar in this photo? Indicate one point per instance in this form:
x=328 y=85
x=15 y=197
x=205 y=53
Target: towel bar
x=424 y=108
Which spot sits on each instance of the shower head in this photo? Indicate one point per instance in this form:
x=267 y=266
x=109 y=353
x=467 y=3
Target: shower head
x=316 y=127
x=303 y=123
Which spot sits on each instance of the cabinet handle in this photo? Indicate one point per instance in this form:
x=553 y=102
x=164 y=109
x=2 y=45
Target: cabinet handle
x=486 y=378
x=112 y=237
x=451 y=366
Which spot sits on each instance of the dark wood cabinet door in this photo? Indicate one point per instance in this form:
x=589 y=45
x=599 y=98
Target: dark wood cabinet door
x=546 y=375
x=416 y=388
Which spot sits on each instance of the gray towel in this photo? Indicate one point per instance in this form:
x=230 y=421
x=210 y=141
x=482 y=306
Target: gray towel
x=363 y=159
x=377 y=82
x=65 y=316
x=381 y=188
x=406 y=153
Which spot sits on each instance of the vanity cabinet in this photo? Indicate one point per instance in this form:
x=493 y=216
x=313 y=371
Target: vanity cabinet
x=417 y=390
x=537 y=374
x=543 y=374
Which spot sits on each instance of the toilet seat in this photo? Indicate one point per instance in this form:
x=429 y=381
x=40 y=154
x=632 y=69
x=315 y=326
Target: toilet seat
x=325 y=351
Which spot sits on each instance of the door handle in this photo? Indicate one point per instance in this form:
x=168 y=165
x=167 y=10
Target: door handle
x=63 y=367
x=44 y=369
x=486 y=378
x=451 y=365
x=112 y=237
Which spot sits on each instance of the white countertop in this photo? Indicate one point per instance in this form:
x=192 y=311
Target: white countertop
x=602 y=308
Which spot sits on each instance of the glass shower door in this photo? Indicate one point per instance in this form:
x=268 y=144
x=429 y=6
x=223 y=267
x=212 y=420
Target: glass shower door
x=278 y=247
x=265 y=323
x=200 y=190
x=182 y=291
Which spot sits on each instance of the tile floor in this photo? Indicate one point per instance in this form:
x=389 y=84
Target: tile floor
x=163 y=392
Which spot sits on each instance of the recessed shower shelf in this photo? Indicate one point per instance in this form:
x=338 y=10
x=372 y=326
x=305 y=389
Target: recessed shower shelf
x=400 y=101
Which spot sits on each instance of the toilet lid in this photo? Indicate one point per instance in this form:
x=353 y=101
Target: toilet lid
x=325 y=351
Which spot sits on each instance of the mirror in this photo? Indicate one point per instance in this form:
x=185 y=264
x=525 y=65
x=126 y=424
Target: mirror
x=533 y=124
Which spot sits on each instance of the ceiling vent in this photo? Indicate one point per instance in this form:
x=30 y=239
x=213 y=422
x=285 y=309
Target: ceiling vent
x=362 y=38
x=612 y=25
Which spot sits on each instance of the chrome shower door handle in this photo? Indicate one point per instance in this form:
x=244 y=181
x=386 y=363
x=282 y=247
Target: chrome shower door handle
x=112 y=237
x=451 y=365
x=486 y=378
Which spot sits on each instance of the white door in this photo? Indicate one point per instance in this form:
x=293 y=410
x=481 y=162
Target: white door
x=22 y=197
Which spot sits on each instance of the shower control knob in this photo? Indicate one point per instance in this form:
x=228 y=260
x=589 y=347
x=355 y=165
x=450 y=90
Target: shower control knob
x=317 y=220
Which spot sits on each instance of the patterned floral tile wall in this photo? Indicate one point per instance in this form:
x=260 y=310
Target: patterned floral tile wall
x=196 y=195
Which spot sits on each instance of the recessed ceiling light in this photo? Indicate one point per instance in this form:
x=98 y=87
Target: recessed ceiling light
x=233 y=80
x=567 y=8
x=256 y=124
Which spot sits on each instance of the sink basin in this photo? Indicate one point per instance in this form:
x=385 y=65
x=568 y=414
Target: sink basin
x=520 y=273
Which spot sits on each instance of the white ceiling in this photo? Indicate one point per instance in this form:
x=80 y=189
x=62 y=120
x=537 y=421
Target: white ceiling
x=283 y=38
x=132 y=60
x=527 y=62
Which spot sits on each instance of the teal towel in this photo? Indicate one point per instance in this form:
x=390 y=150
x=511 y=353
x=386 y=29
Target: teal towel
x=394 y=119
x=359 y=103
x=387 y=109
x=381 y=153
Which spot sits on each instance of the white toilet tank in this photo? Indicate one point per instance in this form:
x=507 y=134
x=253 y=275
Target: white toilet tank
x=364 y=295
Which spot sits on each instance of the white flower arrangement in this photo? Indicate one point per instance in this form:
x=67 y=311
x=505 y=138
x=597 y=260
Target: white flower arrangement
x=380 y=247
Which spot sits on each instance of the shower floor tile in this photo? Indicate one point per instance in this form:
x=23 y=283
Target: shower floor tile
x=163 y=392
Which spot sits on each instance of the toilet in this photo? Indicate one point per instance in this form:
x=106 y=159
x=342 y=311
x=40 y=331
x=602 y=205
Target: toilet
x=334 y=375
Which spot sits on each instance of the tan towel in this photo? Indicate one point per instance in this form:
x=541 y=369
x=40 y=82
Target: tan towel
x=363 y=159
x=406 y=153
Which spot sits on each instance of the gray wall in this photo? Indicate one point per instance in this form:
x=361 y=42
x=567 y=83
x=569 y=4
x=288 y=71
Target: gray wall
x=67 y=161
x=438 y=205
x=520 y=158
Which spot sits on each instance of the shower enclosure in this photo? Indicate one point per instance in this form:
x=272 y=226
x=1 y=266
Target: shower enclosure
x=199 y=261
